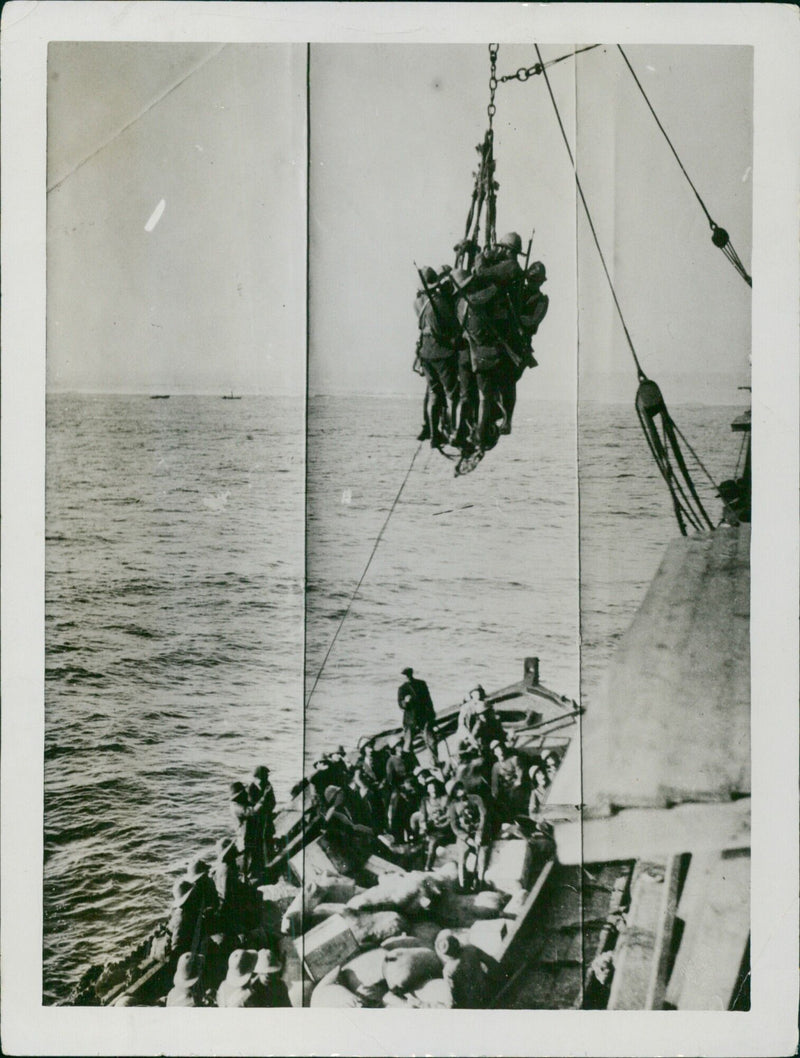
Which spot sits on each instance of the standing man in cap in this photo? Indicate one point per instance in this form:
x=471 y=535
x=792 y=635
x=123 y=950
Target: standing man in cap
x=439 y=332
x=267 y=811
x=205 y=890
x=245 y=807
x=415 y=700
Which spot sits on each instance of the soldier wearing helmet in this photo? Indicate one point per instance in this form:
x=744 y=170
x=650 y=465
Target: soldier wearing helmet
x=511 y=242
x=475 y=313
x=466 y=407
x=437 y=353
x=534 y=303
x=530 y=309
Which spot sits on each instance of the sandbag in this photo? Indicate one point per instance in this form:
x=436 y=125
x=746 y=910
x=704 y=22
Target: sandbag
x=490 y=902
x=334 y=996
x=296 y=917
x=410 y=893
x=363 y=975
x=322 y=889
x=407 y=968
x=326 y=910
x=425 y=930
x=300 y=993
x=434 y=994
x=462 y=909
x=405 y=940
x=373 y=927
x=446 y=872
x=335 y=888
x=282 y=893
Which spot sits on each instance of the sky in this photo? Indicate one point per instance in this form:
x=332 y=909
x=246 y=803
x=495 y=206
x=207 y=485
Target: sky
x=214 y=296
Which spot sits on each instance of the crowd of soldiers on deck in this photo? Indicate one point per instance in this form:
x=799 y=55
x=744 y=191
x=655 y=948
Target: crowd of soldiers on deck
x=468 y=799
x=386 y=796
x=476 y=328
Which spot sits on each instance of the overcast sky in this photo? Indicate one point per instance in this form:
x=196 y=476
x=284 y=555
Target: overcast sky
x=213 y=296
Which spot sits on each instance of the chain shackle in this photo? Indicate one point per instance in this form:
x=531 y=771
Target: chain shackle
x=491 y=110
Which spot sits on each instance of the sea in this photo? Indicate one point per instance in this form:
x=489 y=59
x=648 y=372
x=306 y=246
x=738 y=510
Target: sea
x=240 y=582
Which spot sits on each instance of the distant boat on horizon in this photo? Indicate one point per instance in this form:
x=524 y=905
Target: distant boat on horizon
x=230 y=396
x=159 y=396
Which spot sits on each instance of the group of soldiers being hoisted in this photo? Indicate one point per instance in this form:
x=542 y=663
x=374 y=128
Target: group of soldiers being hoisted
x=476 y=328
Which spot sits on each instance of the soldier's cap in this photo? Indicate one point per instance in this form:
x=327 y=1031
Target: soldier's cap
x=181 y=891
x=512 y=240
x=188 y=970
x=537 y=271
x=268 y=962
x=429 y=274
x=241 y=964
x=196 y=869
x=224 y=847
x=408 y=672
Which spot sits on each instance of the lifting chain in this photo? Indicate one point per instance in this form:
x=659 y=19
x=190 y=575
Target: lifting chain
x=491 y=110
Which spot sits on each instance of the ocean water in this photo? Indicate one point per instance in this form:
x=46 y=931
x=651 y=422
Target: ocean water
x=179 y=652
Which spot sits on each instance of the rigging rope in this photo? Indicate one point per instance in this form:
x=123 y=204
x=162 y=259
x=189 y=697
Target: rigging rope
x=378 y=538
x=719 y=236
x=689 y=508
x=650 y=404
x=639 y=370
x=524 y=72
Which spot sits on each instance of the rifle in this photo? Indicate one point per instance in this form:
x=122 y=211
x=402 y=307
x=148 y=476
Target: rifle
x=439 y=321
x=528 y=251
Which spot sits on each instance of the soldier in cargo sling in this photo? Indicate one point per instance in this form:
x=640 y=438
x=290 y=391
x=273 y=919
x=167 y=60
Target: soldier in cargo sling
x=476 y=327
x=436 y=350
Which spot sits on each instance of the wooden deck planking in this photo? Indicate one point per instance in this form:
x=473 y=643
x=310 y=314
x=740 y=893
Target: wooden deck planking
x=635 y=952
x=715 y=938
x=641 y=832
x=662 y=954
